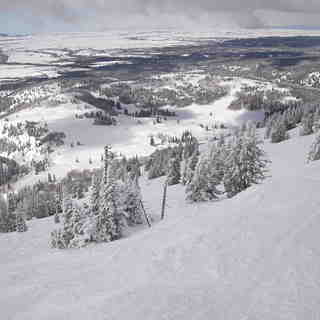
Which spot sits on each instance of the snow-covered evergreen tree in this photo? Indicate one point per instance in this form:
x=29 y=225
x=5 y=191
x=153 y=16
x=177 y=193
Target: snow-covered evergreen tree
x=78 y=222
x=21 y=225
x=95 y=193
x=245 y=163
x=158 y=164
x=61 y=238
x=7 y=214
x=3 y=213
x=314 y=153
x=279 y=131
x=307 y=124
x=130 y=202
x=206 y=178
x=188 y=167
x=108 y=220
x=174 y=174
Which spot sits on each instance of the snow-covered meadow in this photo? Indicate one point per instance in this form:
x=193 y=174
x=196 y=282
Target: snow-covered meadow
x=130 y=136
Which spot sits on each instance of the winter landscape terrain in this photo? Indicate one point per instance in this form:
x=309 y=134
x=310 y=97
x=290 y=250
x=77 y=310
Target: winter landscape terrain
x=160 y=175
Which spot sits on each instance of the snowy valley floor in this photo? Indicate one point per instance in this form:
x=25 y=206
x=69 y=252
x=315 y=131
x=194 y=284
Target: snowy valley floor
x=255 y=256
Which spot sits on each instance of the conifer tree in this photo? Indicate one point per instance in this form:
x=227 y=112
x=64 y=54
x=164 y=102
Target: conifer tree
x=314 y=153
x=108 y=227
x=245 y=163
x=131 y=201
x=61 y=238
x=77 y=221
x=279 y=131
x=190 y=168
x=3 y=213
x=157 y=167
x=95 y=194
x=174 y=174
x=206 y=178
x=21 y=225
x=307 y=124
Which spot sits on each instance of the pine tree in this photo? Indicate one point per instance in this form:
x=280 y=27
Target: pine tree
x=190 y=168
x=174 y=174
x=314 y=153
x=131 y=201
x=157 y=167
x=61 y=238
x=307 y=124
x=95 y=193
x=206 y=178
x=108 y=226
x=3 y=213
x=279 y=131
x=7 y=216
x=21 y=225
x=78 y=220
x=245 y=163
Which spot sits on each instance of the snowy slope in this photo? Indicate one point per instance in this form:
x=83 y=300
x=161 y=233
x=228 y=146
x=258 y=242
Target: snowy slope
x=255 y=256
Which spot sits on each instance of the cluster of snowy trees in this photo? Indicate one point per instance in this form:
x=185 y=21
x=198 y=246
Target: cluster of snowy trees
x=228 y=166
x=29 y=140
x=45 y=199
x=314 y=153
x=168 y=161
x=115 y=202
x=278 y=124
x=12 y=218
x=308 y=120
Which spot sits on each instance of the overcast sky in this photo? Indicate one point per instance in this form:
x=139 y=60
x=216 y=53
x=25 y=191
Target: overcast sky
x=23 y=16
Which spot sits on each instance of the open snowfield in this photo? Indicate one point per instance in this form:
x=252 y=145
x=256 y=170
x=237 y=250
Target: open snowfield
x=255 y=256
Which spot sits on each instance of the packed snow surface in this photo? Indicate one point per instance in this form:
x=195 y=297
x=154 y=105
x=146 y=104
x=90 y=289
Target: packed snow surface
x=255 y=256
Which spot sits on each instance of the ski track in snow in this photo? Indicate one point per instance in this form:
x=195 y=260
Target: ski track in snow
x=255 y=256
